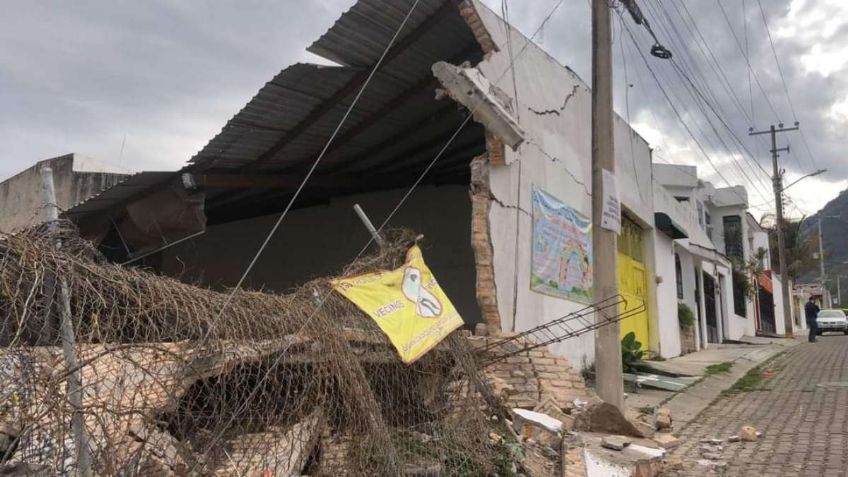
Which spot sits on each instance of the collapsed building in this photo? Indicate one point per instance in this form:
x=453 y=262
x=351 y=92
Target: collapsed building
x=479 y=134
x=454 y=137
x=181 y=380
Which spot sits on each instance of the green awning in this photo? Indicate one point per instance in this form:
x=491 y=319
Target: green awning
x=668 y=226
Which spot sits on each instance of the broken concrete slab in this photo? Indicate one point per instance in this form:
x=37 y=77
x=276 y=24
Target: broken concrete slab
x=489 y=105
x=275 y=452
x=616 y=443
x=666 y=440
x=538 y=427
x=633 y=460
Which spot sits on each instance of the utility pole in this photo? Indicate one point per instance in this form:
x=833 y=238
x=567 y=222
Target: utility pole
x=822 y=273
x=821 y=261
x=777 y=180
x=66 y=328
x=608 y=372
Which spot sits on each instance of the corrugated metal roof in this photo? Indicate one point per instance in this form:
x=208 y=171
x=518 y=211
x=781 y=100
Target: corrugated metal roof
x=289 y=121
x=360 y=35
x=119 y=193
x=396 y=125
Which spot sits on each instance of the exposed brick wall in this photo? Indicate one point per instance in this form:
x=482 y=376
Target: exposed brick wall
x=472 y=18
x=495 y=149
x=528 y=379
x=481 y=244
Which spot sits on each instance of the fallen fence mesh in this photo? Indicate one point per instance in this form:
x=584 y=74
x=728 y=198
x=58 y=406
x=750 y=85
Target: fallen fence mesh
x=174 y=383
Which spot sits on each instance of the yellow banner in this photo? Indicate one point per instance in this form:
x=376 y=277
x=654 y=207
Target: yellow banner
x=407 y=304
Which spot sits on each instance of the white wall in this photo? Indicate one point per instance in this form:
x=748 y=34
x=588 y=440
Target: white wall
x=779 y=317
x=667 y=322
x=321 y=240
x=554 y=110
x=75 y=180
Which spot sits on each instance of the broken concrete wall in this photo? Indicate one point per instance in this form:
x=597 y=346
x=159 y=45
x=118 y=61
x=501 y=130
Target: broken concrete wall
x=328 y=236
x=552 y=106
x=529 y=379
x=76 y=179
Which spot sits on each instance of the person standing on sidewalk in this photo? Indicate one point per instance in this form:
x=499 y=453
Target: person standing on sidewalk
x=811 y=310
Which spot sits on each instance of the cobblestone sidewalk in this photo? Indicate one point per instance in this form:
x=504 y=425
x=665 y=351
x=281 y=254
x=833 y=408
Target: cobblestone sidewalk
x=801 y=411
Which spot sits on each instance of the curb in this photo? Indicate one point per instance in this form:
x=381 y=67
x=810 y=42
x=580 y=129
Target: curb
x=686 y=405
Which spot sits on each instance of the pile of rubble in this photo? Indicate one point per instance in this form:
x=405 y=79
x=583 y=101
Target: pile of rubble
x=180 y=380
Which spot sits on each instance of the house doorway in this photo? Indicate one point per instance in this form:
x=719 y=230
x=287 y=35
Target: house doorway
x=766 y=302
x=633 y=280
x=710 y=309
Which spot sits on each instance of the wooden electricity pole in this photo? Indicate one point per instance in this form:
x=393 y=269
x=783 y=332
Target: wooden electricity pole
x=777 y=180
x=608 y=372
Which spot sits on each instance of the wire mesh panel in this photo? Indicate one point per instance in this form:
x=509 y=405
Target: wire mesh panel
x=585 y=320
x=294 y=384
x=173 y=382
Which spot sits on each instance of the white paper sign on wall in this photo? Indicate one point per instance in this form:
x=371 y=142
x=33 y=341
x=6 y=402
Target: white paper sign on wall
x=611 y=218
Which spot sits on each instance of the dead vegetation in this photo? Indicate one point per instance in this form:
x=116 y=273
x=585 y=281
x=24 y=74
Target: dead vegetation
x=175 y=383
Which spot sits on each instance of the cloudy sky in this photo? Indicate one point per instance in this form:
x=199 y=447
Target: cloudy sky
x=144 y=85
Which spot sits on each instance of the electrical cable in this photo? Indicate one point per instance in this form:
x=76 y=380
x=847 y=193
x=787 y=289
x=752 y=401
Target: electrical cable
x=391 y=214
x=702 y=98
x=314 y=166
x=743 y=175
x=678 y=114
x=747 y=60
x=785 y=87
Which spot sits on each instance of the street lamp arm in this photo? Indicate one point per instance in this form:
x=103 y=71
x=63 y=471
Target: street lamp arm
x=820 y=171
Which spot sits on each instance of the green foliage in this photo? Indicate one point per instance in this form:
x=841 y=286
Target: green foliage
x=631 y=352
x=685 y=317
x=719 y=368
x=799 y=248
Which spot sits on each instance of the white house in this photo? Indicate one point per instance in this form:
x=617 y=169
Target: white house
x=710 y=263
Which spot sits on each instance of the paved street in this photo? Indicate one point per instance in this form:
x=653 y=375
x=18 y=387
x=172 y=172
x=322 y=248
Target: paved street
x=800 y=409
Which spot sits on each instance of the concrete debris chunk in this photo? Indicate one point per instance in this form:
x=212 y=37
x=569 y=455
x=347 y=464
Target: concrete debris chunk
x=748 y=434
x=537 y=427
x=734 y=439
x=709 y=449
x=663 y=419
x=714 y=442
x=616 y=443
x=666 y=440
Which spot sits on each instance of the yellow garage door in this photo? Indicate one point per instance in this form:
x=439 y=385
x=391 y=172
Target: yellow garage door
x=633 y=280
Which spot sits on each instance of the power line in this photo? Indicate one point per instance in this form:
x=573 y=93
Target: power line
x=748 y=53
x=743 y=175
x=650 y=110
x=708 y=101
x=676 y=111
x=785 y=87
x=317 y=161
x=747 y=60
x=400 y=203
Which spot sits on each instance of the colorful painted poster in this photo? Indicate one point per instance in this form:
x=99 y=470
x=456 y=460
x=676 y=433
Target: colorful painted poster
x=407 y=304
x=562 y=250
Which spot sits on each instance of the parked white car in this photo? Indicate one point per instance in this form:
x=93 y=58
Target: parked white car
x=832 y=320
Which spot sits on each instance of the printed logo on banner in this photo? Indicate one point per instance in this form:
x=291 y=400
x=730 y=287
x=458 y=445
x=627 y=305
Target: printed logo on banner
x=562 y=250
x=407 y=304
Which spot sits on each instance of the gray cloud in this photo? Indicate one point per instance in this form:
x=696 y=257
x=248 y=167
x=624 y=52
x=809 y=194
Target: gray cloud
x=79 y=76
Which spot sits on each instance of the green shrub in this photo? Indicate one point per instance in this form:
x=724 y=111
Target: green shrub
x=631 y=352
x=685 y=317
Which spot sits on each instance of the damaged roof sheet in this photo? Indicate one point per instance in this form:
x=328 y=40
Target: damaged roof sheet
x=120 y=193
x=285 y=126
